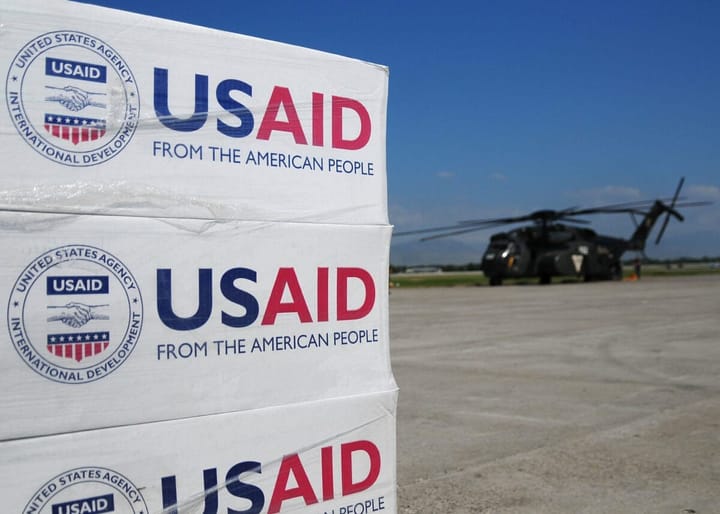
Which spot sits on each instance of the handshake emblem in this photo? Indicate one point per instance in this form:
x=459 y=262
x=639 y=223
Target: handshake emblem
x=73 y=98
x=76 y=314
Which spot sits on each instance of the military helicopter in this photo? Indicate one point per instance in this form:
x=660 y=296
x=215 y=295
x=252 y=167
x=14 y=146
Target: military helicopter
x=557 y=244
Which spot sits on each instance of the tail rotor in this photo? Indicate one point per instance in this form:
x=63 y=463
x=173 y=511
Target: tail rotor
x=671 y=211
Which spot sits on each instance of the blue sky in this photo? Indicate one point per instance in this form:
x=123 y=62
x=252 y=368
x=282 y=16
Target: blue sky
x=505 y=107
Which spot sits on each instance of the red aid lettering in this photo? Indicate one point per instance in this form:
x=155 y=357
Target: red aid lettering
x=318 y=113
x=286 y=278
x=322 y=294
x=343 y=276
x=328 y=487
x=346 y=464
x=281 y=97
x=281 y=492
x=338 y=104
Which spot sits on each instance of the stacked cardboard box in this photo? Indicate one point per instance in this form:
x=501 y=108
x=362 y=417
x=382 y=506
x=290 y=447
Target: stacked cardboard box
x=196 y=256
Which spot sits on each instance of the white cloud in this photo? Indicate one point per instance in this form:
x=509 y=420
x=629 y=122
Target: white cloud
x=401 y=216
x=701 y=192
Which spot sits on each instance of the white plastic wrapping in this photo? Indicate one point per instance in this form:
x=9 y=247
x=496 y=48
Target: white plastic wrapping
x=196 y=263
x=332 y=456
x=112 y=112
x=114 y=320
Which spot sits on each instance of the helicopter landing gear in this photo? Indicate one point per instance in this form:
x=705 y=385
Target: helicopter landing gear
x=495 y=280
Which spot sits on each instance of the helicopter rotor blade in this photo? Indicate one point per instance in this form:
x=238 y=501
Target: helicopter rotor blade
x=692 y=204
x=463 y=227
x=671 y=210
x=422 y=231
x=498 y=221
x=638 y=207
x=457 y=232
x=440 y=229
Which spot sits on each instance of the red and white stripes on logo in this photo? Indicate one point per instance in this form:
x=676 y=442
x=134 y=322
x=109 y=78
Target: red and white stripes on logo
x=74 y=129
x=78 y=346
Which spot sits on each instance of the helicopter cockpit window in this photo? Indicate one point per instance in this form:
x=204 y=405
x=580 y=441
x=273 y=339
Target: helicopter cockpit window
x=499 y=244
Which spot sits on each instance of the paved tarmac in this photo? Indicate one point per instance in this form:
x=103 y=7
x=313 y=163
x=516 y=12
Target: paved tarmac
x=570 y=398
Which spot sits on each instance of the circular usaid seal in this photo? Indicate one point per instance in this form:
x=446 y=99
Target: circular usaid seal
x=72 y=98
x=87 y=490
x=75 y=314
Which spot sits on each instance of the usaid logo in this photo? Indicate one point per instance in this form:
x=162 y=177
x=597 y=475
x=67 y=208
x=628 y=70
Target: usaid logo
x=72 y=98
x=75 y=314
x=87 y=490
